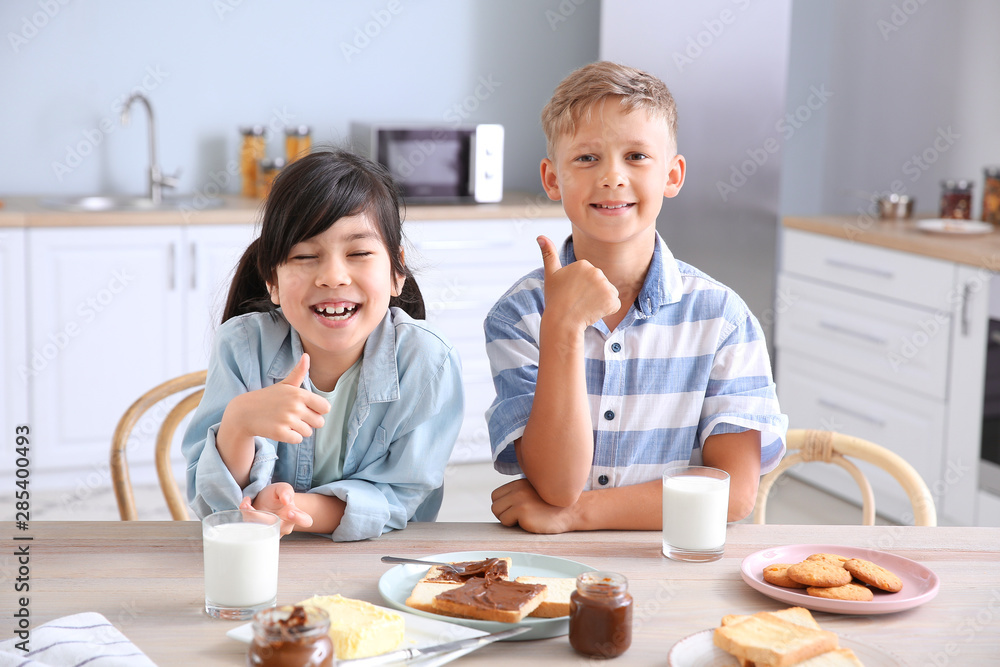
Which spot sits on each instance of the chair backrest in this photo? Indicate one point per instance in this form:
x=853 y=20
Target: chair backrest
x=832 y=447
x=164 y=438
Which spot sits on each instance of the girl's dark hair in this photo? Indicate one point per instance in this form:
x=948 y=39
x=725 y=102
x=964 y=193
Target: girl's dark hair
x=307 y=198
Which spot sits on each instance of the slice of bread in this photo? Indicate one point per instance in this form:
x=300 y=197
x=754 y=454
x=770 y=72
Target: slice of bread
x=768 y=640
x=440 y=574
x=503 y=601
x=555 y=600
x=423 y=594
x=797 y=615
x=842 y=657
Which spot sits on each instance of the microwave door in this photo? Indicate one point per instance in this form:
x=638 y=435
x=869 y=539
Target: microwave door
x=429 y=165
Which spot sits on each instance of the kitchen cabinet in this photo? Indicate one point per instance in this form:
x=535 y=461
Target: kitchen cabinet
x=462 y=268
x=13 y=363
x=114 y=311
x=888 y=346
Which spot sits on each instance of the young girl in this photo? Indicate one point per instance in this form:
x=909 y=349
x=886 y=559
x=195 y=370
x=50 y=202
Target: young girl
x=325 y=402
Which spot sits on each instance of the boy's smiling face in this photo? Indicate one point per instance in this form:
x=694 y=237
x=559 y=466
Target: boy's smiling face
x=613 y=173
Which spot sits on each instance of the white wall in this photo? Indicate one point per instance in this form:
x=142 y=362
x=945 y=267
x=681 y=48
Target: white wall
x=916 y=99
x=209 y=67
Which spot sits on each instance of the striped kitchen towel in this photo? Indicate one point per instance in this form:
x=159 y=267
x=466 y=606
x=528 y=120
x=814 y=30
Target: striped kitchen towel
x=81 y=639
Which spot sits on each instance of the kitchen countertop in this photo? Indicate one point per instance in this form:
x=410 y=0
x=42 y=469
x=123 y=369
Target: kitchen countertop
x=25 y=211
x=980 y=250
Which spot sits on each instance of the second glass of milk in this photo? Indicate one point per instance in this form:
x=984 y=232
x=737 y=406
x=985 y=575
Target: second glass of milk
x=695 y=510
x=241 y=562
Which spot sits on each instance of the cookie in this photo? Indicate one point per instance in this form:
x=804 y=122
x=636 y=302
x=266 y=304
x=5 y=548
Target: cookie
x=851 y=591
x=777 y=574
x=818 y=573
x=874 y=575
x=830 y=558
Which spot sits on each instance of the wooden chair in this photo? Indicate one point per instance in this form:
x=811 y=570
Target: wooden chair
x=831 y=447
x=164 y=438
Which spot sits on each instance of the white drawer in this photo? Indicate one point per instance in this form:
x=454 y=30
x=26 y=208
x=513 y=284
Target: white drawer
x=875 y=338
x=818 y=396
x=890 y=273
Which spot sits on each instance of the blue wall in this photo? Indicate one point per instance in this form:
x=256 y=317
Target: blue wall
x=210 y=66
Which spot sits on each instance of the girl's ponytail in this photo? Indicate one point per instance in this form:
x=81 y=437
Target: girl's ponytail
x=248 y=291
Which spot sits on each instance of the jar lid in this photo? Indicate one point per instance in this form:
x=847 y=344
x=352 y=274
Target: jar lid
x=602 y=582
x=957 y=184
x=992 y=172
x=297 y=130
x=272 y=163
x=253 y=130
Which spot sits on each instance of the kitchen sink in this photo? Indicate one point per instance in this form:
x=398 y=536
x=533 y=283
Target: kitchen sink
x=99 y=203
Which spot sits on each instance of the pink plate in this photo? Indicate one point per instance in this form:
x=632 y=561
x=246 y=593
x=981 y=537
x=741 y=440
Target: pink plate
x=919 y=583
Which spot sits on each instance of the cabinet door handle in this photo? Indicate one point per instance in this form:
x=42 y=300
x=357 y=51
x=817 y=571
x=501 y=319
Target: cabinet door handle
x=194 y=266
x=850 y=411
x=838 y=328
x=966 y=297
x=172 y=267
x=471 y=244
x=860 y=268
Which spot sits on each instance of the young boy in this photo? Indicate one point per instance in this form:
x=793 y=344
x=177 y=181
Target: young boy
x=615 y=360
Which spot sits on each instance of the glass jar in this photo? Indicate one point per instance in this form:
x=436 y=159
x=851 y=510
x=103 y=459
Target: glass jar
x=291 y=636
x=298 y=142
x=956 y=199
x=991 y=195
x=600 y=615
x=252 y=151
x=267 y=171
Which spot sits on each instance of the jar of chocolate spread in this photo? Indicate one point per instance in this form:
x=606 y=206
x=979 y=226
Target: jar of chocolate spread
x=291 y=636
x=600 y=615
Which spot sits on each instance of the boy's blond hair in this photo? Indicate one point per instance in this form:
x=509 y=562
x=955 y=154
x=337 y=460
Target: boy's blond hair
x=576 y=96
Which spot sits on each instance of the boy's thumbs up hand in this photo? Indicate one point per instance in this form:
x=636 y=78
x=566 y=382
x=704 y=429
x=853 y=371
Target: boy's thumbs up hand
x=578 y=294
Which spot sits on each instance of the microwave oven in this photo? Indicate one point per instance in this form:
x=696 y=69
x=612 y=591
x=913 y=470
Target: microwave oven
x=437 y=163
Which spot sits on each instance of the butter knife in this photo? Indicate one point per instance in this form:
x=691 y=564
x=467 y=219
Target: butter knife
x=403 y=655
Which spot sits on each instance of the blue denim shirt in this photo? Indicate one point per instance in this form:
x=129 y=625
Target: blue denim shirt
x=402 y=428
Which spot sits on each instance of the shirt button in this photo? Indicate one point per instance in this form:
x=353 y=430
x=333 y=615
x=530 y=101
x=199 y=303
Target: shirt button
x=609 y=415
x=616 y=347
x=602 y=480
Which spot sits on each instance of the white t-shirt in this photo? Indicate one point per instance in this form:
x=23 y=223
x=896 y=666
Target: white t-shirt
x=330 y=438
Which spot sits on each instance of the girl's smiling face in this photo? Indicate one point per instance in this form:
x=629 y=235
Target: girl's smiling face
x=334 y=289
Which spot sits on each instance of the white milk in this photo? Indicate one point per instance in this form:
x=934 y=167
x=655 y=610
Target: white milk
x=695 y=509
x=241 y=564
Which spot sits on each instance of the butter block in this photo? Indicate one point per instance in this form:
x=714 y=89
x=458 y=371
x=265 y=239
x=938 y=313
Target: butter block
x=359 y=629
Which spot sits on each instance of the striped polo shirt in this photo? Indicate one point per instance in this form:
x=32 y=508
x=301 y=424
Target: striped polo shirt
x=688 y=361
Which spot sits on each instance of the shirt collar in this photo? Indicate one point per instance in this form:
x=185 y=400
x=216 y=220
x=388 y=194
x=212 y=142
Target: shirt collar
x=663 y=279
x=379 y=380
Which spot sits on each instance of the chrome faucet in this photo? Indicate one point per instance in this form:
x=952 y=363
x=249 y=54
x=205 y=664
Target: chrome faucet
x=157 y=179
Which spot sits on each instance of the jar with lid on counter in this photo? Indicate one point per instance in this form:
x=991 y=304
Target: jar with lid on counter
x=956 y=199
x=600 y=615
x=267 y=171
x=991 y=195
x=291 y=636
x=252 y=151
x=298 y=142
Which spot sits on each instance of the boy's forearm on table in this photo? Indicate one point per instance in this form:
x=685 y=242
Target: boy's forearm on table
x=636 y=507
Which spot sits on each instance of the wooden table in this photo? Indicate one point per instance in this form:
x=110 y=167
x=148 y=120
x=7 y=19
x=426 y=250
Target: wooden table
x=146 y=578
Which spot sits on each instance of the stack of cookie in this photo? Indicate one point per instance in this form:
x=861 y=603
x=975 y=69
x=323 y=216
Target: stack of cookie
x=834 y=577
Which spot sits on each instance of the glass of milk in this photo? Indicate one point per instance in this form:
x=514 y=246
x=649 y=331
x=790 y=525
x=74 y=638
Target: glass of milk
x=695 y=509
x=241 y=562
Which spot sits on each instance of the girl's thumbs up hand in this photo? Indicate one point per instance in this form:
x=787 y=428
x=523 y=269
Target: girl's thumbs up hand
x=576 y=295
x=283 y=412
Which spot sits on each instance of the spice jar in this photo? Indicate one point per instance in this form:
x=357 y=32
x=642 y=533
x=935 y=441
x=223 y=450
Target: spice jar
x=298 y=141
x=991 y=195
x=252 y=151
x=267 y=170
x=956 y=199
x=600 y=615
x=291 y=636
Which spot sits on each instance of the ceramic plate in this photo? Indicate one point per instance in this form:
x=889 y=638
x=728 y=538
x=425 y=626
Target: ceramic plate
x=942 y=226
x=698 y=650
x=396 y=584
x=919 y=583
x=419 y=632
